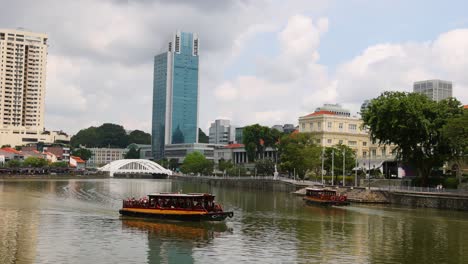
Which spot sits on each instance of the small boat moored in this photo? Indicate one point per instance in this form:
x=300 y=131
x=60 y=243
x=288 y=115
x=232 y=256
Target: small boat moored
x=324 y=197
x=176 y=206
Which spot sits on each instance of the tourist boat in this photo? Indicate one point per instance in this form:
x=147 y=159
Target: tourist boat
x=325 y=197
x=176 y=206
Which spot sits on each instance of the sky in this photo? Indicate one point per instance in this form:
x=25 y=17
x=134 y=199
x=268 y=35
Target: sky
x=261 y=61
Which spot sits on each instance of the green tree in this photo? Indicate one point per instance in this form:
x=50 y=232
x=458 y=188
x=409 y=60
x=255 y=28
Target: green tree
x=265 y=167
x=299 y=153
x=132 y=153
x=224 y=165
x=84 y=154
x=173 y=164
x=112 y=135
x=139 y=137
x=13 y=163
x=35 y=162
x=59 y=164
x=257 y=138
x=202 y=137
x=236 y=171
x=455 y=133
x=196 y=162
x=106 y=135
x=163 y=162
x=413 y=123
x=86 y=137
x=337 y=151
x=6 y=146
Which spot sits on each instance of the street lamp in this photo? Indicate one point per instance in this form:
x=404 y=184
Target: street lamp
x=333 y=166
x=344 y=163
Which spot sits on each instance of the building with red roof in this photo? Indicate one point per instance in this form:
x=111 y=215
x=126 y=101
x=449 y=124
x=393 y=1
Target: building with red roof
x=77 y=162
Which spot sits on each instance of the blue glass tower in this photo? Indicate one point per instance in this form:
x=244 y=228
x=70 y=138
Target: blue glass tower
x=175 y=94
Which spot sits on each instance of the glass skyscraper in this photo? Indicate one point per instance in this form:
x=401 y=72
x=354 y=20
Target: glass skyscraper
x=175 y=94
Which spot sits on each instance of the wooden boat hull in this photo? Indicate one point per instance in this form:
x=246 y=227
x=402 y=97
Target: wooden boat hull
x=312 y=201
x=176 y=214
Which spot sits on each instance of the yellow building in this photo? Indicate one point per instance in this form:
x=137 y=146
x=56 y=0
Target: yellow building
x=334 y=126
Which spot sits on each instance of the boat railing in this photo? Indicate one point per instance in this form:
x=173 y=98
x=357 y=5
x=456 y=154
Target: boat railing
x=145 y=204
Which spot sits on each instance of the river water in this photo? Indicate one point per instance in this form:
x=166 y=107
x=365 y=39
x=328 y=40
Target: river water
x=77 y=221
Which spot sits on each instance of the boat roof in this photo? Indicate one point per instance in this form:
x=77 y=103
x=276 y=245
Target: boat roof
x=316 y=189
x=182 y=195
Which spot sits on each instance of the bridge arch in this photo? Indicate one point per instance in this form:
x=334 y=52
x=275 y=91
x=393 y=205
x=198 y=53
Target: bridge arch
x=134 y=166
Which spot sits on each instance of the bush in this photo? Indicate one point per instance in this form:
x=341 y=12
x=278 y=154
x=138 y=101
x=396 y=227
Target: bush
x=451 y=183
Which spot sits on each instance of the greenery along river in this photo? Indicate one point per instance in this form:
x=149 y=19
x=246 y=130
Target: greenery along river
x=77 y=221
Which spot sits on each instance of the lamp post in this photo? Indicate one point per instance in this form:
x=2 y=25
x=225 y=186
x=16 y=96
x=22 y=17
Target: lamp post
x=322 y=164
x=333 y=166
x=356 y=169
x=344 y=163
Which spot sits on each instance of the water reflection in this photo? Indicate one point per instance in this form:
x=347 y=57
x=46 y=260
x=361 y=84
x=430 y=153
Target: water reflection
x=77 y=221
x=174 y=242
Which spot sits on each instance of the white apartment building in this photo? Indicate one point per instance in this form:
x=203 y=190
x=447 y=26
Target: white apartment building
x=332 y=129
x=103 y=156
x=23 y=62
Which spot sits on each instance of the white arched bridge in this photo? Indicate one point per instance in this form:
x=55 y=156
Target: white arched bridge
x=134 y=166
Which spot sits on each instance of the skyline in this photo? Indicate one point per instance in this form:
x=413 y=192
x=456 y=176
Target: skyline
x=278 y=62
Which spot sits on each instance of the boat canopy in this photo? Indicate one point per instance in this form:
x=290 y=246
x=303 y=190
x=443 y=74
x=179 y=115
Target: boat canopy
x=182 y=195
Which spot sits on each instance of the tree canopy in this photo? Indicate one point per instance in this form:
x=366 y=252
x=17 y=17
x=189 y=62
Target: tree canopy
x=337 y=151
x=109 y=135
x=299 y=153
x=413 y=123
x=196 y=162
x=132 y=153
x=257 y=138
x=455 y=133
x=35 y=162
x=84 y=154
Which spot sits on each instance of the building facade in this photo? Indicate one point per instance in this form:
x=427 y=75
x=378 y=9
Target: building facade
x=237 y=154
x=179 y=151
x=239 y=131
x=23 y=63
x=175 y=94
x=221 y=132
x=103 y=156
x=434 y=89
x=331 y=129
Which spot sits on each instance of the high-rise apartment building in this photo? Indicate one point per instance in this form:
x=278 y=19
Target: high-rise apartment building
x=434 y=89
x=23 y=62
x=221 y=132
x=175 y=94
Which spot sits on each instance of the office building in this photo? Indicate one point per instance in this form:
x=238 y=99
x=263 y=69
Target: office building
x=103 y=156
x=221 y=132
x=434 y=89
x=175 y=94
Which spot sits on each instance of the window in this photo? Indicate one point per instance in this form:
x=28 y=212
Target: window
x=303 y=126
x=352 y=143
x=319 y=125
x=340 y=141
x=329 y=141
x=317 y=141
x=340 y=126
x=352 y=127
x=364 y=154
x=374 y=152
x=329 y=124
x=364 y=143
x=311 y=126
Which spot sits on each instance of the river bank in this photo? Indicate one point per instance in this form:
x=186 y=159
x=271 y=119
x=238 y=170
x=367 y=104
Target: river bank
x=52 y=176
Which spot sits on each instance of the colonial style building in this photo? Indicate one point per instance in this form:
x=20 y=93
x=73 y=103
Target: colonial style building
x=333 y=127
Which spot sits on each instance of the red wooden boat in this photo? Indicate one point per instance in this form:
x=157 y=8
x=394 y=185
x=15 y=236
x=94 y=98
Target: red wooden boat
x=176 y=206
x=324 y=197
